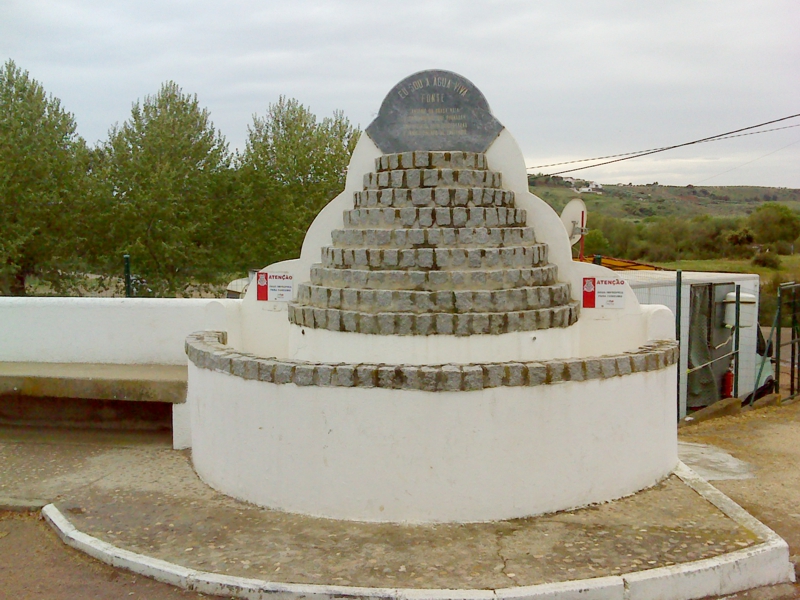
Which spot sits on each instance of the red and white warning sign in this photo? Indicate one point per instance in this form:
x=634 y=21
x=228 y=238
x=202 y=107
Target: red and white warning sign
x=603 y=293
x=274 y=287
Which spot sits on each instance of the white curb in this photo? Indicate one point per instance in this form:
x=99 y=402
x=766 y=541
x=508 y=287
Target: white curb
x=763 y=564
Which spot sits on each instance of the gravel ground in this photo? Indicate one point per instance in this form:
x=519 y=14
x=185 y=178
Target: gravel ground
x=35 y=564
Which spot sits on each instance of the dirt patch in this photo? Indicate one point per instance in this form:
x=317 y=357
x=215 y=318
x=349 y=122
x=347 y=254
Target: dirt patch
x=34 y=563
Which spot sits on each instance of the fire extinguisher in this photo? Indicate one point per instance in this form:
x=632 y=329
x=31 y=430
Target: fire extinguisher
x=727 y=383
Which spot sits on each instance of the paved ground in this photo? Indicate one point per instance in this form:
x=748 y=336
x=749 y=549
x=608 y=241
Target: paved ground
x=97 y=477
x=769 y=440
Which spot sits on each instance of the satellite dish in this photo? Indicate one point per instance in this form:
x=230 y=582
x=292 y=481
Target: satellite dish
x=574 y=218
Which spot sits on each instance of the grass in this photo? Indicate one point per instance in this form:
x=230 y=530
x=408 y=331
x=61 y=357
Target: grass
x=788 y=271
x=641 y=201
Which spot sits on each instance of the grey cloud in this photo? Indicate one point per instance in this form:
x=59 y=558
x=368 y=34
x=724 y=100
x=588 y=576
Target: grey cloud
x=569 y=79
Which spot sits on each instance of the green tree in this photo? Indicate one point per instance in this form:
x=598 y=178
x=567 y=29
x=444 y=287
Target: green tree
x=166 y=173
x=292 y=166
x=596 y=243
x=42 y=182
x=772 y=222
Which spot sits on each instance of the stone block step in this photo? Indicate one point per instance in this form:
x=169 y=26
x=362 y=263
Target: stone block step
x=390 y=323
x=449 y=237
x=497 y=279
x=462 y=301
x=432 y=197
x=439 y=159
x=435 y=258
x=429 y=178
x=417 y=218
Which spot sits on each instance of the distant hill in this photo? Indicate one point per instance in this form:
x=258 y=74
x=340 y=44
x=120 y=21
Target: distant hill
x=636 y=202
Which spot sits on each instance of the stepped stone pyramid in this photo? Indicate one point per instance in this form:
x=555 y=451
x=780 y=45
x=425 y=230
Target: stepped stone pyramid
x=434 y=245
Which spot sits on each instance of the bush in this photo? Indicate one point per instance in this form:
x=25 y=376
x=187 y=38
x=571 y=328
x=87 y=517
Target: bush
x=769 y=260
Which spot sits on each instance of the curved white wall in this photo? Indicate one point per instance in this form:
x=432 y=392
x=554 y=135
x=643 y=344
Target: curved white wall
x=411 y=456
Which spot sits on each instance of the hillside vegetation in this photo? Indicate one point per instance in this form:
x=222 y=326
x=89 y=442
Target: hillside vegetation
x=637 y=202
x=729 y=229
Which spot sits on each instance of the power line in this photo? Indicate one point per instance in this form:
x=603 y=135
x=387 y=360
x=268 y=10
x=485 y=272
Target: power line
x=727 y=137
x=630 y=155
x=750 y=161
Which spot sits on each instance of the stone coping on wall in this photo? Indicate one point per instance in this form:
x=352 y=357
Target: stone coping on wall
x=208 y=350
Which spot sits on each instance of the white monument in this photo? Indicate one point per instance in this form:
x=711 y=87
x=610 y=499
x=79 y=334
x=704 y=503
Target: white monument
x=442 y=357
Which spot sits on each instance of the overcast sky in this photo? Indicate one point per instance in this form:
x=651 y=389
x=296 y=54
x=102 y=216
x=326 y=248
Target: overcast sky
x=570 y=80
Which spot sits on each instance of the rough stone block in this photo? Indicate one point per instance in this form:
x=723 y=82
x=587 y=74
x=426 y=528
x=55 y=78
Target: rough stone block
x=624 y=366
x=493 y=375
x=406 y=160
x=430 y=177
x=323 y=375
x=409 y=377
x=445 y=324
x=594 y=370
x=368 y=323
x=422 y=159
x=497 y=323
x=516 y=374
x=447 y=177
x=334 y=320
x=473 y=378
x=222 y=361
x=536 y=373
x=366 y=375
x=344 y=376
x=284 y=372
x=451 y=378
x=386 y=377
x=266 y=370
x=349 y=320
x=463 y=324
x=515 y=321
x=428 y=377
x=304 y=374
x=422 y=196
x=250 y=369
x=556 y=371
x=424 y=324
x=638 y=363
x=320 y=318
x=480 y=323
x=575 y=370
x=404 y=324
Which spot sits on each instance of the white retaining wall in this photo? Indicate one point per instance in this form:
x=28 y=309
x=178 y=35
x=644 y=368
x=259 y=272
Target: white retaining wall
x=109 y=330
x=412 y=456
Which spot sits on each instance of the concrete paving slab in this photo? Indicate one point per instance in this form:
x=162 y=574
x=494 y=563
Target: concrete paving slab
x=712 y=463
x=147 y=499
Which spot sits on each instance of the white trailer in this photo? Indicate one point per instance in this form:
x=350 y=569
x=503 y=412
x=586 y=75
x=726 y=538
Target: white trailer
x=660 y=287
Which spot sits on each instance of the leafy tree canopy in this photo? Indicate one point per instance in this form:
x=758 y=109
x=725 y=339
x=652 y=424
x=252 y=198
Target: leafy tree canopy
x=42 y=182
x=772 y=222
x=291 y=167
x=166 y=173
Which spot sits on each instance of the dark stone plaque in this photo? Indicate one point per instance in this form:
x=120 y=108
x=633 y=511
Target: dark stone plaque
x=434 y=110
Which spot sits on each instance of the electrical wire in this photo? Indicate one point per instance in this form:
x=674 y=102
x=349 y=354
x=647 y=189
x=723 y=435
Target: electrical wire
x=630 y=155
x=727 y=137
x=750 y=161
